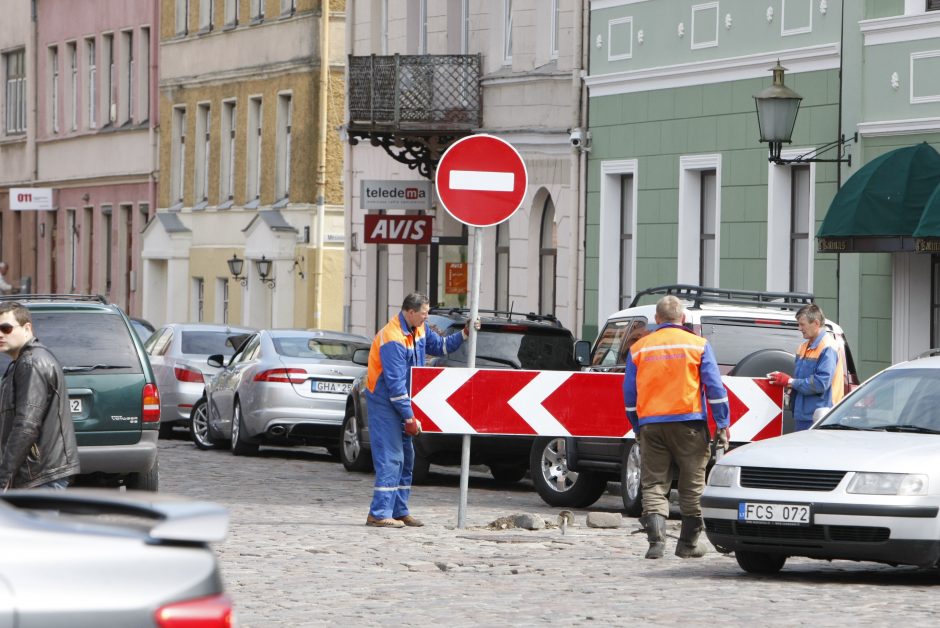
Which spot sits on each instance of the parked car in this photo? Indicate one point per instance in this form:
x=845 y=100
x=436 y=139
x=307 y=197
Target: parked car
x=178 y=354
x=281 y=387
x=505 y=340
x=90 y=558
x=142 y=327
x=752 y=333
x=862 y=484
x=112 y=391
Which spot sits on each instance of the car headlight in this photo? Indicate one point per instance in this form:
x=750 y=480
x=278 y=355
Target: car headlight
x=888 y=484
x=722 y=475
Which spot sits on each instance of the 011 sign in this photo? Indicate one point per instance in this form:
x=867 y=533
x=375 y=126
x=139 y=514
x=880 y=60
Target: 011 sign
x=35 y=199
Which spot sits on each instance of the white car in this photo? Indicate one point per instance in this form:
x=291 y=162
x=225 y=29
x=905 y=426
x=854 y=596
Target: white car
x=862 y=484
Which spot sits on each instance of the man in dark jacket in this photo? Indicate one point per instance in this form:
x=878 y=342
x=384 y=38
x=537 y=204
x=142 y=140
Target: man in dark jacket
x=37 y=438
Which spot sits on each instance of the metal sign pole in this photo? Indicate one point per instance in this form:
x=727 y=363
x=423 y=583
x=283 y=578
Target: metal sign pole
x=471 y=363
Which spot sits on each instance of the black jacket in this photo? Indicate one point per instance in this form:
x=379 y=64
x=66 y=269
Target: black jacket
x=37 y=438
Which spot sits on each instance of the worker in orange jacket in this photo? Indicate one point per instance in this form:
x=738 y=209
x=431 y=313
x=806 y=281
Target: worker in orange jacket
x=670 y=375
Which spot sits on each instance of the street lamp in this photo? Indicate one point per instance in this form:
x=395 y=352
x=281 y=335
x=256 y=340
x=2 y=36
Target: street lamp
x=777 y=107
x=264 y=269
x=235 y=267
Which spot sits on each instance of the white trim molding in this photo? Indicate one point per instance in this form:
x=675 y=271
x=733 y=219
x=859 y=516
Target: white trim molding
x=608 y=252
x=913 y=126
x=799 y=30
x=893 y=30
x=610 y=39
x=597 y=5
x=808 y=59
x=927 y=54
x=779 y=201
x=689 y=227
x=704 y=44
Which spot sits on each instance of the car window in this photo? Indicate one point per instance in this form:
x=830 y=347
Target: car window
x=152 y=340
x=206 y=343
x=162 y=343
x=533 y=349
x=615 y=340
x=244 y=354
x=733 y=339
x=319 y=348
x=901 y=397
x=104 y=339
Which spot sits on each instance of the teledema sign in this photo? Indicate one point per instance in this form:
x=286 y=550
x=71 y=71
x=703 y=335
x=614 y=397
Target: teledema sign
x=386 y=194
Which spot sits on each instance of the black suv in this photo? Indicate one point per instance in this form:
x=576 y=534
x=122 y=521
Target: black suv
x=112 y=392
x=505 y=340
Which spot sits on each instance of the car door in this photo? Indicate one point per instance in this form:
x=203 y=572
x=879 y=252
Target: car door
x=221 y=393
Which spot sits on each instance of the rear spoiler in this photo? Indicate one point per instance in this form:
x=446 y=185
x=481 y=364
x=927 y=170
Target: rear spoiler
x=175 y=518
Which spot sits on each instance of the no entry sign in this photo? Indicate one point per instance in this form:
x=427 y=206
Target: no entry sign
x=481 y=180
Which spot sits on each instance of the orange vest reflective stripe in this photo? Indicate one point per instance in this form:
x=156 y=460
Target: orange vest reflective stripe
x=667 y=372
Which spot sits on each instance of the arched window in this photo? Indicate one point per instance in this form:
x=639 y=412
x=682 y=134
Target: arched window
x=547 y=256
x=502 y=267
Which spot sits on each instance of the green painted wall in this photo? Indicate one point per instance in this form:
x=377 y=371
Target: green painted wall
x=881 y=101
x=883 y=8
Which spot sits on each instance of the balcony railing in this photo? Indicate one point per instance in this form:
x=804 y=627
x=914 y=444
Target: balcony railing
x=437 y=93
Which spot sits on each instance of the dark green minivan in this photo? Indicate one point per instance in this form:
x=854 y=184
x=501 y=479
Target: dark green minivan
x=112 y=391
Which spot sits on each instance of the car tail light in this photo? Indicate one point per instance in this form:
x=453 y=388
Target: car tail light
x=282 y=376
x=151 y=399
x=511 y=328
x=205 y=612
x=184 y=374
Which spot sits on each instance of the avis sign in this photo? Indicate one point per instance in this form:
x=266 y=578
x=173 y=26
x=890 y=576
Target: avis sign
x=552 y=403
x=386 y=229
x=389 y=194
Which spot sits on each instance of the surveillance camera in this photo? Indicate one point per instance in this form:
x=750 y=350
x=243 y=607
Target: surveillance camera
x=576 y=138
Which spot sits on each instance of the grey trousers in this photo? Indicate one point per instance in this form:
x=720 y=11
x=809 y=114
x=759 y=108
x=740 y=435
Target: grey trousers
x=684 y=443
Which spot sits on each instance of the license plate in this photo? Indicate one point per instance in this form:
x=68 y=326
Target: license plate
x=793 y=514
x=342 y=388
x=75 y=405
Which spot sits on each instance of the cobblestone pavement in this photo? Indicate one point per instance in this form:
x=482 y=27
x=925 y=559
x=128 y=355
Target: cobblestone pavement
x=298 y=554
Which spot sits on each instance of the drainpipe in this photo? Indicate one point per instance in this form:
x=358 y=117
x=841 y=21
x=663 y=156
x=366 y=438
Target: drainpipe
x=323 y=93
x=348 y=180
x=579 y=167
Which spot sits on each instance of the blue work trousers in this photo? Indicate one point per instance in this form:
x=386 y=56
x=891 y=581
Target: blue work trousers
x=393 y=456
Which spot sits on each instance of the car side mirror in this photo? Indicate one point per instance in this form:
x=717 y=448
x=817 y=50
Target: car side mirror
x=361 y=357
x=582 y=352
x=820 y=413
x=217 y=360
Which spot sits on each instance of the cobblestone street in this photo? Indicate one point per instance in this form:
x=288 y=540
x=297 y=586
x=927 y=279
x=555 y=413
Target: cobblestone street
x=298 y=554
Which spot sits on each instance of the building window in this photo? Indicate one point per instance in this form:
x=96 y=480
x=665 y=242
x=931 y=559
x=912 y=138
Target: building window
x=127 y=76
x=143 y=74
x=179 y=153
x=627 y=255
x=381 y=285
x=203 y=154
x=502 y=267
x=284 y=113
x=227 y=165
x=547 y=257
x=73 y=249
x=231 y=13
x=790 y=220
x=800 y=254
x=111 y=105
x=182 y=17
x=221 y=300
x=288 y=7
x=108 y=247
x=555 y=28
x=384 y=27
x=254 y=150
x=422 y=27
x=708 y=225
x=933 y=5
x=257 y=10
x=206 y=15
x=199 y=295
x=464 y=26
x=54 y=88
x=92 y=83
x=507 y=32
x=14 y=64
x=73 y=86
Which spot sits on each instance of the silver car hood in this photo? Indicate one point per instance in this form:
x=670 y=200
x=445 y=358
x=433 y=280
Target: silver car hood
x=841 y=450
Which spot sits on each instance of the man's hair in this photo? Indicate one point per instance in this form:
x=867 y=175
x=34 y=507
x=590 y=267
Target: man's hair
x=20 y=313
x=812 y=313
x=414 y=302
x=670 y=309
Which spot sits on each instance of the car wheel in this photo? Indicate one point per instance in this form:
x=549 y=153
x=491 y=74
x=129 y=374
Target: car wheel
x=422 y=469
x=241 y=447
x=758 y=562
x=199 y=427
x=508 y=473
x=556 y=484
x=630 y=488
x=146 y=480
x=352 y=454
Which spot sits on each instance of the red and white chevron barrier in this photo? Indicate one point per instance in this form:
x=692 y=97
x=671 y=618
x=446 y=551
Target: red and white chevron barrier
x=563 y=403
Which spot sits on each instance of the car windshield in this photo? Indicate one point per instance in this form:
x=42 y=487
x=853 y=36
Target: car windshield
x=732 y=340
x=207 y=343
x=86 y=341
x=900 y=400
x=318 y=348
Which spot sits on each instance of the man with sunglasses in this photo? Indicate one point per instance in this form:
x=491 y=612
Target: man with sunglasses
x=37 y=438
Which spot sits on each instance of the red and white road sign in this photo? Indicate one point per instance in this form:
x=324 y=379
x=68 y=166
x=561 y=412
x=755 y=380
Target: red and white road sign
x=564 y=403
x=481 y=180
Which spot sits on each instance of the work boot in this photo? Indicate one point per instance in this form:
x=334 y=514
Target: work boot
x=655 y=533
x=688 y=545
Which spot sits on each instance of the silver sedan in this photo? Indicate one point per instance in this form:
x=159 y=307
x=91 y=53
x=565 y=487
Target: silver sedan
x=178 y=354
x=282 y=387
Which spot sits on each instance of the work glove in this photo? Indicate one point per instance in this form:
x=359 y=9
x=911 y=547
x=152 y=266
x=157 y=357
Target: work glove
x=721 y=439
x=779 y=379
x=412 y=426
x=466 y=328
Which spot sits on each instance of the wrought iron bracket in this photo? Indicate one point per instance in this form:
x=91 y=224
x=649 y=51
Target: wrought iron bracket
x=811 y=156
x=418 y=152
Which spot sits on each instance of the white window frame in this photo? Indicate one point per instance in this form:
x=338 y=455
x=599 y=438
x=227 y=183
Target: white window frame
x=288 y=7
x=555 y=29
x=182 y=17
x=178 y=176
x=229 y=134
x=54 y=85
x=111 y=104
x=15 y=94
x=926 y=54
x=610 y=39
x=257 y=12
x=507 y=32
x=283 y=142
x=72 y=48
x=143 y=75
x=422 y=27
x=222 y=300
x=255 y=140
x=778 y=221
x=126 y=78
x=198 y=312
x=696 y=45
x=91 y=50
x=609 y=279
x=690 y=168
x=464 y=26
x=206 y=15
x=203 y=155
x=784 y=32
x=231 y=13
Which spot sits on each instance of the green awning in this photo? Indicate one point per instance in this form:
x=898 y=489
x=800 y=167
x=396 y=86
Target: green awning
x=929 y=225
x=884 y=200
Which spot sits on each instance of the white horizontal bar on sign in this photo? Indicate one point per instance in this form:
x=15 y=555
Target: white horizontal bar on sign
x=482 y=181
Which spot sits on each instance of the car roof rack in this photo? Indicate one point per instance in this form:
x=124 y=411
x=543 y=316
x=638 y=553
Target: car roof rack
x=754 y=298
x=529 y=316
x=55 y=297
